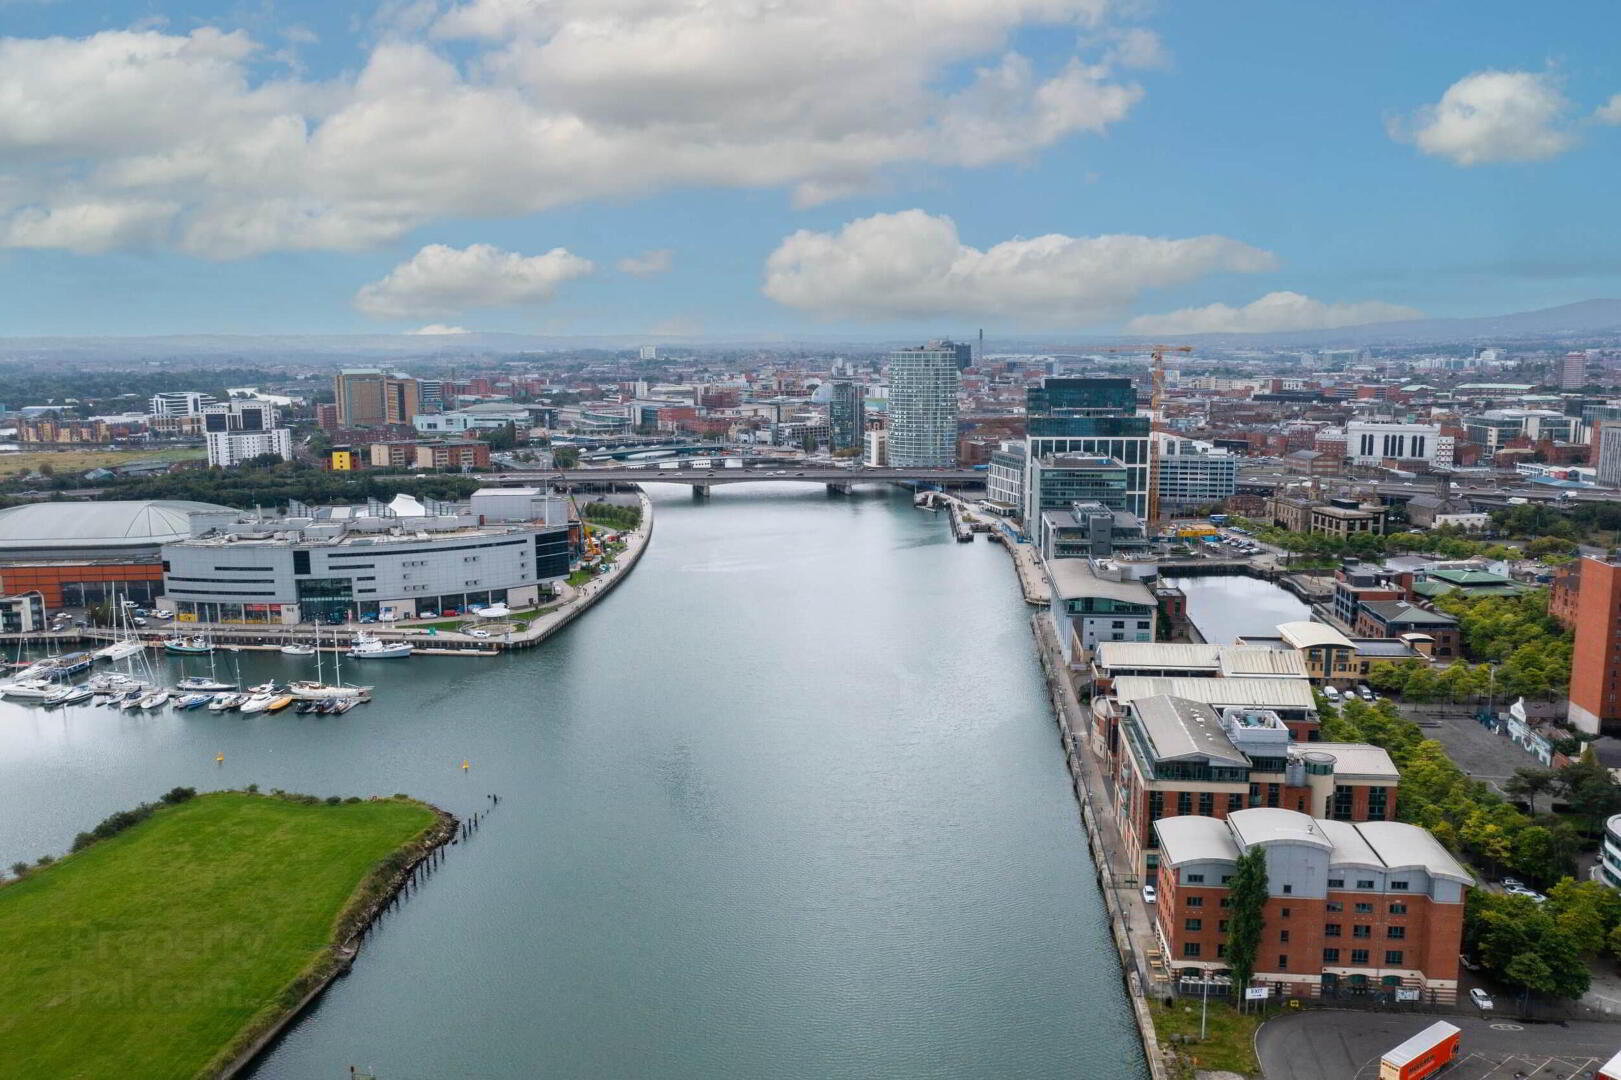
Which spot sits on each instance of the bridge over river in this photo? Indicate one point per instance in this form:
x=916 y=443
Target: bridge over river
x=701 y=480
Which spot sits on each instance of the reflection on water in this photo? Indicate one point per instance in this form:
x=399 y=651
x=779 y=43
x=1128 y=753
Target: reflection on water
x=802 y=816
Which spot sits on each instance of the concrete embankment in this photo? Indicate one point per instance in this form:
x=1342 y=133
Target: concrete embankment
x=395 y=880
x=1102 y=833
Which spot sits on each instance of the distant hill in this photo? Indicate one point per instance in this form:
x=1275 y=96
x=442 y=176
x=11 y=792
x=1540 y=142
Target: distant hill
x=1582 y=319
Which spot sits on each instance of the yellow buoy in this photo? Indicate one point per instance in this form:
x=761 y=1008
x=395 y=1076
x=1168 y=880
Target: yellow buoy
x=465 y=765
x=219 y=758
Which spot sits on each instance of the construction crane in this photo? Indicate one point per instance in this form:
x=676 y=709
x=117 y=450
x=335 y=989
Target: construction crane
x=1157 y=403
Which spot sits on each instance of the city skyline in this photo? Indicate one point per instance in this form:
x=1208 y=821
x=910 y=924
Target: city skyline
x=1038 y=168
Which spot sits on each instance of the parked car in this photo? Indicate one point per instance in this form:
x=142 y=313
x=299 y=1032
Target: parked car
x=479 y=633
x=1512 y=883
x=1150 y=894
x=1366 y=691
x=138 y=621
x=1481 y=999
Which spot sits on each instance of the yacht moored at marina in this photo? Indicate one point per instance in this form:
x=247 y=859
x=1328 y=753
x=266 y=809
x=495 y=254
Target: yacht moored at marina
x=258 y=701
x=32 y=689
x=118 y=650
x=370 y=647
x=187 y=646
x=202 y=682
x=298 y=648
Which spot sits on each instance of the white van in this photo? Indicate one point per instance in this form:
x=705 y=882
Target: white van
x=1331 y=694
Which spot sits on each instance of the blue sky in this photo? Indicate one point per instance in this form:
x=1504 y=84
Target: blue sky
x=1265 y=126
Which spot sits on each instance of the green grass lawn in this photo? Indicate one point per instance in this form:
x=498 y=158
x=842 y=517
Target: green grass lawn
x=1229 y=1041
x=146 y=954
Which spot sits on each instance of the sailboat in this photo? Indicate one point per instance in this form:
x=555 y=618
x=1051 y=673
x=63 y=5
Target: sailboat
x=126 y=644
x=206 y=683
x=315 y=690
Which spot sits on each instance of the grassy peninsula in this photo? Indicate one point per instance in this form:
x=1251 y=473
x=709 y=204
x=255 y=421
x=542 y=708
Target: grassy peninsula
x=165 y=949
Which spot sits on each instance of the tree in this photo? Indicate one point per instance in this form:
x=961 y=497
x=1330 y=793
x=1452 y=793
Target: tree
x=565 y=457
x=1248 y=915
x=504 y=437
x=1591 y=793
x=1585 y=912
x=19 y=868
x=1530 y=972
x=1530 y=781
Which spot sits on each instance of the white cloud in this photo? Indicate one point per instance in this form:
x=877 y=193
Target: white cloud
x=1272 y=312
x=648 y=263
x=439 y=330
x=440 y=280
x=1493 y=116
x=499 y=108
x=912 y=265
x=1609 y=112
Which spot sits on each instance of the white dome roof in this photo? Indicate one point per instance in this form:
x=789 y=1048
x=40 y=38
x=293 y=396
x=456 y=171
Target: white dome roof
x=74 y=525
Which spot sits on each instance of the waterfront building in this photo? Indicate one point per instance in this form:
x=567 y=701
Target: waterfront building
x=1004 y=479
x=1418 y=626
x=370 y=397
x=1290 y=697
x=79 y=554
x=1095 y=600
x=1178 y=757
x=1091 y=530
x=1193 y=474
x=329 y=564
x=1113 y=660
x=923 y=385
x=846 y=415
x=23 y=613
x=1089 y=417
x=1356 y=582
x=1059 y=481
x=1328 y=656
x=1595 y=668
x=1377 y=442
x=1353 y=908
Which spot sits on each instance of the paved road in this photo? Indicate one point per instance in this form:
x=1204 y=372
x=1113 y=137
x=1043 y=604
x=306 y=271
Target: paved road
x=1332 y=1045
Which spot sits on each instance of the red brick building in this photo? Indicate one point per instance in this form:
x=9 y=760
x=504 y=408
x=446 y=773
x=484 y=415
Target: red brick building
x=1562 y=594
x=1353 y=908
x=1595 y=667
x=1179 y=757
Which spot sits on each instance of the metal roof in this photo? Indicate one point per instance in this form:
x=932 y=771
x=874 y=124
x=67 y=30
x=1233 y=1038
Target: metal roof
x=1073 y=579
x=1307 y=634
x=1357 y=761
x=1179 y=728
x=1257 y=693
x=1188 y=838
x=1394 y=612
x=1237 y=660
x=1274 y=825
x=1401 y=846
x=1350 y=849
x=74 y=525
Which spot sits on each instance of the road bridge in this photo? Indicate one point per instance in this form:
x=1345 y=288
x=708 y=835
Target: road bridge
x=701 y=480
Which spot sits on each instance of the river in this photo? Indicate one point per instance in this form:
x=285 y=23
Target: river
x=788 y=803
x=1225 y=607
